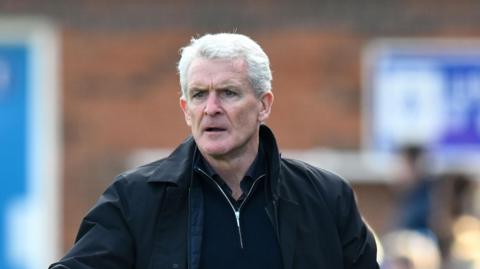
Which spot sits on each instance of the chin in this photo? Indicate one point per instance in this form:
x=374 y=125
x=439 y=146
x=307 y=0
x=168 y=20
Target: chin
x=215 y=151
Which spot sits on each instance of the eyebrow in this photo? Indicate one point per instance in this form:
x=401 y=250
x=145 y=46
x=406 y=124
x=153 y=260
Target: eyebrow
x=228 y=84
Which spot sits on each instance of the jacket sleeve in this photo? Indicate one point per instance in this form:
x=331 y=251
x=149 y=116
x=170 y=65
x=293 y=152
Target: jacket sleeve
x=358 y=242
x=104 y=240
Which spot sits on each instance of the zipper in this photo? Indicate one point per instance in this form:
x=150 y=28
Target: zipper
x=235 y=211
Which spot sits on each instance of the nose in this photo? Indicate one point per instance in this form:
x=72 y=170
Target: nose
x=212 y=105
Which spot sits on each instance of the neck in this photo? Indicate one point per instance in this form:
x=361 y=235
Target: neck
x=233 y=169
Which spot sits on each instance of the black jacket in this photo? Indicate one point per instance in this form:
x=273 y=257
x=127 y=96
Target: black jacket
x=151 y=217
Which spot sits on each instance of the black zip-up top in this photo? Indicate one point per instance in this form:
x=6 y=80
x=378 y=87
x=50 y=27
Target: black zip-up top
x=236 y=233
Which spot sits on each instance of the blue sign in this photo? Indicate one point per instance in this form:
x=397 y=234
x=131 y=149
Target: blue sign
x=426 y=94
x=13 y=136
x=462 y=89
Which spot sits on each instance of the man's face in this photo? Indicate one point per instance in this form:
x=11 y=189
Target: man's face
x=222 y=109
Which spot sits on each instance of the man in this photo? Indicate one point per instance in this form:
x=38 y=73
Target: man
x=224 y=198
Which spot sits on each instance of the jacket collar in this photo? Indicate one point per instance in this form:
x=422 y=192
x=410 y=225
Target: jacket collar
x=177 y=167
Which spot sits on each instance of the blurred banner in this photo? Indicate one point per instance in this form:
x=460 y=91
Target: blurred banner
x=29 y=144
x=424 y=92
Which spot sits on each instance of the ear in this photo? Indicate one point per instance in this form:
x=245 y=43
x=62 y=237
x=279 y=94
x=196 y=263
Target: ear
x=265 y=102
x=184 y=107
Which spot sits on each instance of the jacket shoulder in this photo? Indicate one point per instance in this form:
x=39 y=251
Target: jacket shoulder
x=305 y=173
x=131 y=189
x=327 y=200
x=141 y=173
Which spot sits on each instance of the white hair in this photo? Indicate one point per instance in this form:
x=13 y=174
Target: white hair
x=228 y=46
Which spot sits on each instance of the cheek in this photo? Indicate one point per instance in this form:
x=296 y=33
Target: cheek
x=193 y=116
x=247 y=116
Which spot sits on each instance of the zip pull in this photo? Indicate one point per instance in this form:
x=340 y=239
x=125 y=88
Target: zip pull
x=237 y=217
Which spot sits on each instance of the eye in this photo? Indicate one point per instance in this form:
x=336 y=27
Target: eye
x=198 y=94
x=229 y=93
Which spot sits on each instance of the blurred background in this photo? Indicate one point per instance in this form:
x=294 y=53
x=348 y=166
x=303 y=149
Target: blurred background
x=384 y=93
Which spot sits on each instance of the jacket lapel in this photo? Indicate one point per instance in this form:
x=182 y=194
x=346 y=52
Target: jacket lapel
x=283 y=212
x=177 y=167
x=287 y=229
x=285 y=225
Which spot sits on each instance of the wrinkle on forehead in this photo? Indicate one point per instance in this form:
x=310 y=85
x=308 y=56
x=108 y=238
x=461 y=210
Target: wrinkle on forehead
x=216 y=73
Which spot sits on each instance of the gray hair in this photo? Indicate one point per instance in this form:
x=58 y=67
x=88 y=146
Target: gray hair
x=228 y=46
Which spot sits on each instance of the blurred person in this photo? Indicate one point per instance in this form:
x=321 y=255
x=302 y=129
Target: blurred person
x=432 y=204
x=463 y=242
x=224 y=198
x=466 y=243
x=410 y=249
x=415 y=188
x=454 y=200
x=415 y=191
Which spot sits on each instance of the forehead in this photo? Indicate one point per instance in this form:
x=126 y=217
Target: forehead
x=213 y=72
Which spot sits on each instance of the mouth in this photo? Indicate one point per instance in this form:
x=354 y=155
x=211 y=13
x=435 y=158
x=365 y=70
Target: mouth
x=214 y=129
